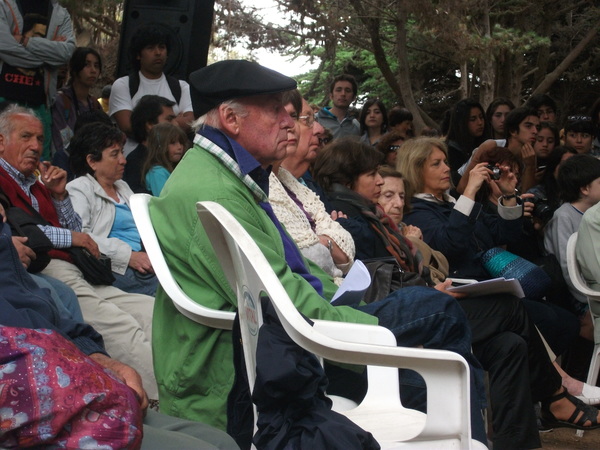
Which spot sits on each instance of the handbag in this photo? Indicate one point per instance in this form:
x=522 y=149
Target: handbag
x=387 y=276
x=502 y=263
x=26 y=225
x=94 y=270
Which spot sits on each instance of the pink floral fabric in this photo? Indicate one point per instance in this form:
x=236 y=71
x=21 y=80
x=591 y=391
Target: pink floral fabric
x=54 y=395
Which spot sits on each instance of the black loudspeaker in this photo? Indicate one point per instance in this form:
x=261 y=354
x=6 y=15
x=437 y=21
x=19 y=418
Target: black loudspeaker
x=189 y=22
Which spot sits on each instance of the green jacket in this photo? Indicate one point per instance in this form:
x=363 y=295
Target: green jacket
x=193 y=364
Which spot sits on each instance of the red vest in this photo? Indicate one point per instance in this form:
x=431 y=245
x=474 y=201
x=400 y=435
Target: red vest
x=20 y=199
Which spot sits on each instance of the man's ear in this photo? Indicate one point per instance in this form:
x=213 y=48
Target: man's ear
x=230 y=121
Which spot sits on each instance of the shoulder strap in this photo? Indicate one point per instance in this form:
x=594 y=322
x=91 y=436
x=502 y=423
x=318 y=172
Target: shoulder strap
x=134 y=83
x=175 y=87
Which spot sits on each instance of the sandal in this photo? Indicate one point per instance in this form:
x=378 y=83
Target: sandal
x=587 y=413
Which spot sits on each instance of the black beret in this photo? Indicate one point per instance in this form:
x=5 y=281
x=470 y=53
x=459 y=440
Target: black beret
x=226 y=80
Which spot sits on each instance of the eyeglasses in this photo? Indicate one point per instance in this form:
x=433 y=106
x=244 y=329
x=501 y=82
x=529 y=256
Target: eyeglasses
x=308 y=120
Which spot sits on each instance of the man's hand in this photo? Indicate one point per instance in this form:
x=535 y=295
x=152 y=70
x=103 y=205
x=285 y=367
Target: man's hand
x=84 y=240
x=26 y=255
x=528 y=154
x=126 y=374
x=139 y=261
x=55 y=179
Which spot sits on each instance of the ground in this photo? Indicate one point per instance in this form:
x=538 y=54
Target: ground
x=566 y=439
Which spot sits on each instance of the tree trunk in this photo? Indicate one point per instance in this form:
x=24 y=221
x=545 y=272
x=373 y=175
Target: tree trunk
x=487 y=63
x=464 y=80
x=549 y=79
x=403 y=71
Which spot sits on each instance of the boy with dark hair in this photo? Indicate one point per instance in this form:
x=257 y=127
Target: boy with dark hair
x=148 y=56
x=579 y=133
x=545 y=107
x=151 y=110
x=579 y=185
x=342 y=92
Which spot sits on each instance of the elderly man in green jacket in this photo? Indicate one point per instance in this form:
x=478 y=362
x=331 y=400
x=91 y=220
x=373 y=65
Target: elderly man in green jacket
x=242 y=130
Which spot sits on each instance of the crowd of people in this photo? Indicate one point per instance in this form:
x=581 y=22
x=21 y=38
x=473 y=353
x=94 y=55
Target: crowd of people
x=488 y=192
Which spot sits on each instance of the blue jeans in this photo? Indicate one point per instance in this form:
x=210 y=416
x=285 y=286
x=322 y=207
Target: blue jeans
x=65 y=299
x=423 y=316
x=136 y=282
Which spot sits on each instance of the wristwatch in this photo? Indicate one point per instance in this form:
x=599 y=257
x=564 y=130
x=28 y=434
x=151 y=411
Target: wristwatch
x=329 y=245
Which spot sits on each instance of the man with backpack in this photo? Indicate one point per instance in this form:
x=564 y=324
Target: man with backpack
x=148 y=53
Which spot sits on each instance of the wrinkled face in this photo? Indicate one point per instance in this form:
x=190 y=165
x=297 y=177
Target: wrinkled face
x=498 y=119
x=263 y=131
x=544 y=143
x=582 y=142
x=392 y=199
x=111 y=166
x=476 y=123
x=436 y=173
x=546 y=114
x=368 y=185
x=175 y=152
x=374 y=117
x=528 y=130
x=153 y=59
x=342 y=95
x=293 y=133
x=23 y=147
x=308 y=141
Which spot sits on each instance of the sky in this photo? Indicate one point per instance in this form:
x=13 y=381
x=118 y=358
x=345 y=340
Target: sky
x=274 y=60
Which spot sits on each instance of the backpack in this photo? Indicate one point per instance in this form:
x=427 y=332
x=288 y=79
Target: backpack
x=174 y=86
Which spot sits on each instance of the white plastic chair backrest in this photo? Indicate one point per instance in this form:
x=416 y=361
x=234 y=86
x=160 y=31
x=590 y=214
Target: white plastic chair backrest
x=207 y=316
x=575 y=272
x=255 y=276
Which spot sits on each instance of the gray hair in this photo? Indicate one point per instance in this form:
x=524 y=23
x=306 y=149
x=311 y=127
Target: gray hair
x=6 y=124
x=211 y=118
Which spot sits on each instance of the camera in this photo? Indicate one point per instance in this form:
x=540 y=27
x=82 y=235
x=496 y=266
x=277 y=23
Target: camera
x=541 y=209
x=496 y=172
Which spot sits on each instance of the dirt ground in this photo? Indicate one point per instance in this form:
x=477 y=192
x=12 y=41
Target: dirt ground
x=566 y=439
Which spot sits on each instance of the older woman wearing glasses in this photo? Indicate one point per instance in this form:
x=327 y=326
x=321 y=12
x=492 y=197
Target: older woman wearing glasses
x=320 y=238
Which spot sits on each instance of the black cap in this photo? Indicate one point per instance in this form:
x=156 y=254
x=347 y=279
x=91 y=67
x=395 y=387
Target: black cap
x=226 y=80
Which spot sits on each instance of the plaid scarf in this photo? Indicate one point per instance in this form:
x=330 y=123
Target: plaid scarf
x=397 y=245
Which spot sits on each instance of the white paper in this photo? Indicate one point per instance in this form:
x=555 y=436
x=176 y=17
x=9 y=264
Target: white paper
x=494 y=286
x=355 y=284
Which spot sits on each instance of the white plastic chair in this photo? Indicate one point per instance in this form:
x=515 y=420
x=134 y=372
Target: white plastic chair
x=447 y=423
x=192 y=310
x=593 y=298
